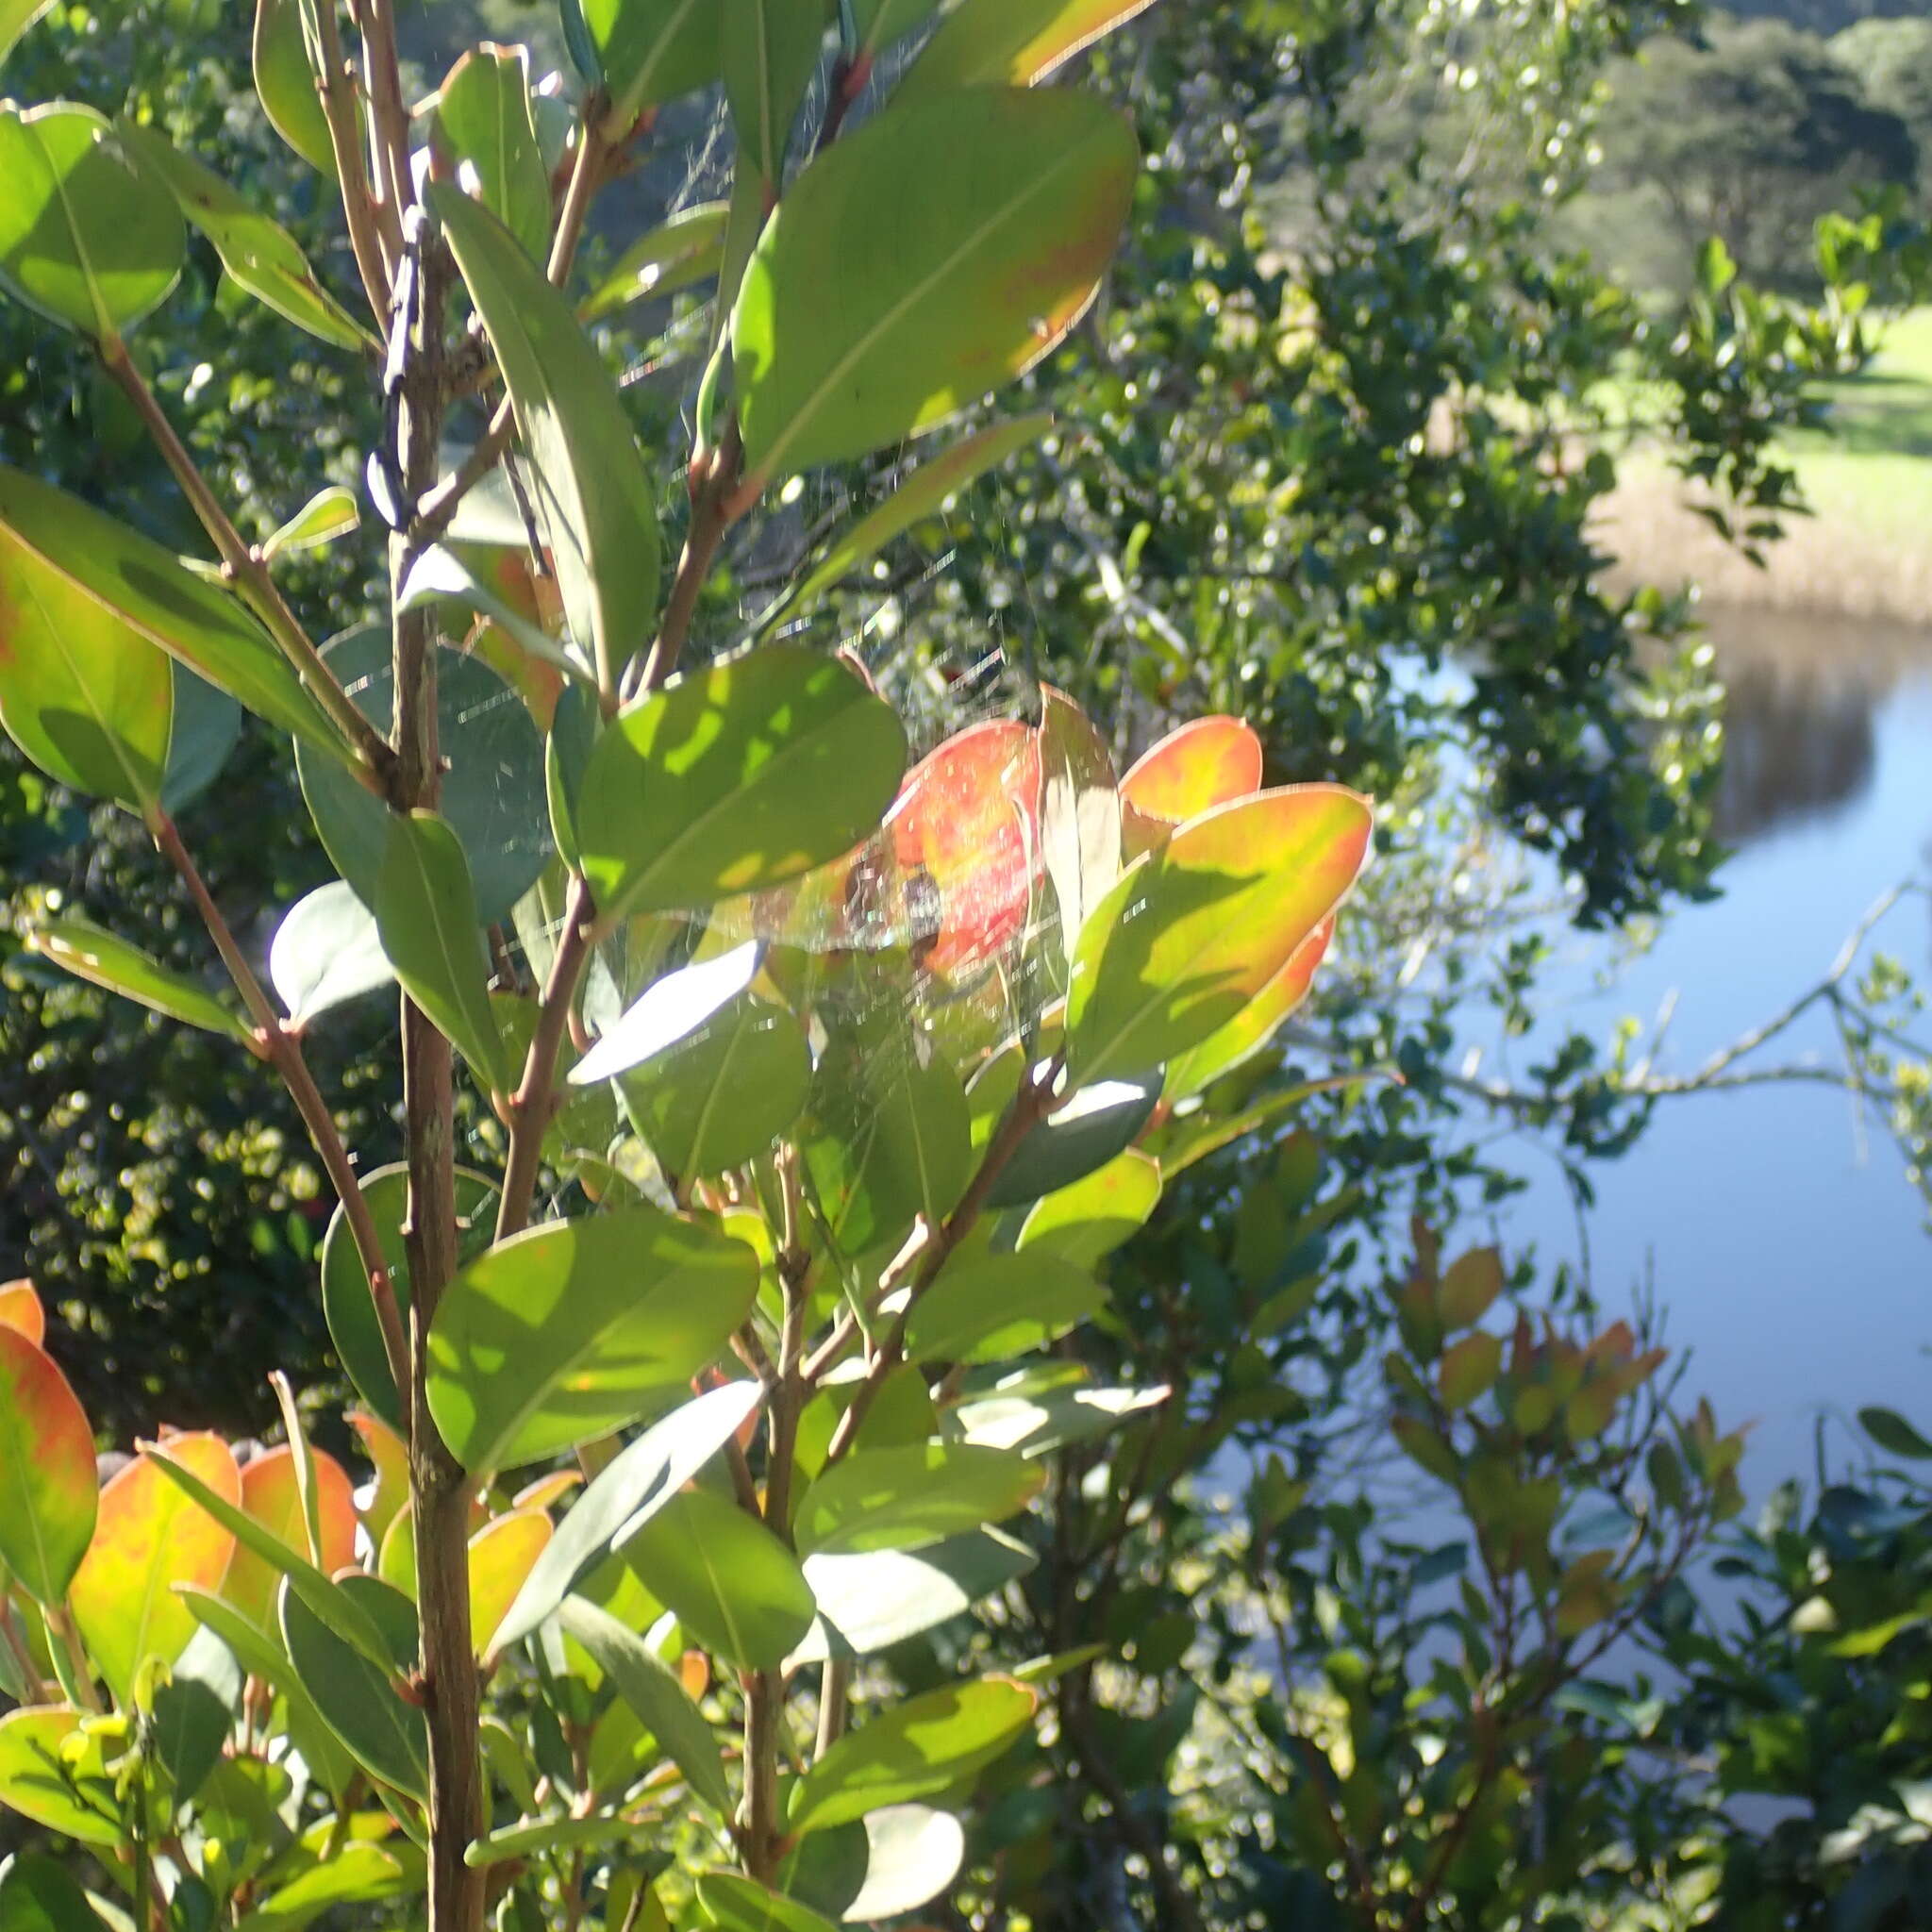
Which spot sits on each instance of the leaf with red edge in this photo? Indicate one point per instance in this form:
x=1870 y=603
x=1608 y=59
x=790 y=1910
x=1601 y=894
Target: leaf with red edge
x=269 y=1494
x=48 y=1494
x=1209 y=762
x=1252 y=1028
x=1194 y=931
x=21 y=1310
x=151 y=1537
x=502 y=1555
x=968 y=816
x=1011 y=43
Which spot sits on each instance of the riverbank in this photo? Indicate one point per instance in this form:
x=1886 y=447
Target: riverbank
x=1865 y=551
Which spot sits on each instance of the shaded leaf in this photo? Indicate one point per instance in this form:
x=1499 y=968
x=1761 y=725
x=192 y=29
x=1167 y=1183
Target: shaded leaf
x=357 y=1700
x=684 y=250
x=326 y=951
x=286 y=83
x=103 y=959
x=768 y=51
x=37 y=1894
x=485 y=126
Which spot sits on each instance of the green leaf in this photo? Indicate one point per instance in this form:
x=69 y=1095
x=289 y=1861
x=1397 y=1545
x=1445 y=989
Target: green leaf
x=492 y=794
x=1893 y=1434
x=623 y=1496
x=998 y=1308
x=48 y=1490
x=206 y=728
x=570 y=1330
x=881 y=21
x=345 y=1301
x=770 y=50
x=286 y=82
x=1196 y=931
x=914 y=1749
x=733 y=778
x=57 y=556
x=878 y=1867
x=593 y=497
x=922 y=495
x=85 y=238
x=328 y=514
x=1009 y=43
x=258 y=254
x=1085 y=1223
x=670 y=1008
x=53 y=1773
x=37 y=1894
x=722 y=1098
x=16 y=16
x=88 y=952
x=742 y=1905
x=326 y=951
x=1038 y=1425
x=325 y=1598
x=872 y=1599
x=952 y=279
x=645 y=52
x=484 y=119
x=533 y=1837
x=904 y=1499
x=1468 y=1368
x=195 y=1711
x=356 y=1873
x=425 y=913
x=683 y=251
x=1079 y=813
x=734 y=1586
x=1089 y=1132
x=357 y=1699
x=657 y=1696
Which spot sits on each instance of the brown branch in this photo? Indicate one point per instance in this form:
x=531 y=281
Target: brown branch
x=282 y=1049
x=389 y=115
x=336 y=89
x=244 y=566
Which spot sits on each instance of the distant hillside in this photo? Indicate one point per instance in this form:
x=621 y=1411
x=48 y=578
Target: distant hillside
x=1826 y=16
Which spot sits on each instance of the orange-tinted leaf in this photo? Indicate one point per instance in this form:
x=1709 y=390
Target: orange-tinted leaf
x=547 y=1489
x=502 y=1555
x=385 y=1449
x=21 y=1310
x=149 y=1538
x=47 y=1489
x=1196 y=931
x=1209 y=762
x=1252 y=1028
x=1011 y=42
x=968 y=816
x=270 y=1495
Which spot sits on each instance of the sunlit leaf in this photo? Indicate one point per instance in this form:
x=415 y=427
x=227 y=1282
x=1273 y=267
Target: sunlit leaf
x=54 y=1773
x=105 y=961
x=356 y=1875
x=877 y=1867
x=326 y=951
x=1086 y=1222
x=951 y=280
x=271 y=1494
x=1016 y=42
x=1001 y=1306
x=502 y=1555
x=644 y=51
x=684 y=251
x=906 y=1499
x=286 y=82
x=1232 y=1044
x=742 y=1905
x=769 y=50
x=49 y=1496
x=1038 y=1425
x=485 y=126
x=16 y=16
x=1208 y=761
x=21 y=1310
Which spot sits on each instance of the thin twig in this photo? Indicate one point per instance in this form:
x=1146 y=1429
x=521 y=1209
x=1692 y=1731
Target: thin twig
x=374 y=257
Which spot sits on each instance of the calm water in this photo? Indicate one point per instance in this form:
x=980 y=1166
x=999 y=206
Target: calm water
x=1788 y=1252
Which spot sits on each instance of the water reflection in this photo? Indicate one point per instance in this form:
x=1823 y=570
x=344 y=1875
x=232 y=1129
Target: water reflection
x=1803 y=695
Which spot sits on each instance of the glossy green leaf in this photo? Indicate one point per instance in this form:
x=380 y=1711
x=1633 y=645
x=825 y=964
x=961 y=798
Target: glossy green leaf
x=881 y=21
x=922 y=495
x=1086 y=1134
x=1196 y=929
x=670 y=1008
x=100 y=957
x=1238 y=1039
x=485 y=126
x=1893 y=1434
x=733 y=778
x=425 y=912
x=570 y=1330
x=1009 y=43
x=55 y=549
x=769 y=50
x=1001 y=1306
x=872 y=1599
x=657 y=1696
x=36 y=1892
x=359 y=1873
x=326 y=951
x=85 y=238
x=357 y=1699
x=195 y=1711
x=734 y=1586
x=258 y=254
x=742 y=1905
x=345 y=1300
x=621 y=1497
x=683 y=251
x=328 y=514
x=16 y=16
x=913 y=1749
x=48 y=1492
x=1088 y=1221
x=49 y=1774
x=149 y=1537
x=646 y=52
x=491 y=795
x=952 y=279
x=533 y=1837
x=1037 y=1424
x=906 y=1499
x=1079 y=813
x=594 y=497
x=285 y=80
x=878 y=1867
x=205 y=729
x=721 y=1098
x=326 y=1597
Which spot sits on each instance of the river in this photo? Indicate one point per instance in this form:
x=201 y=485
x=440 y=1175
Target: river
x=1786 y=1247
